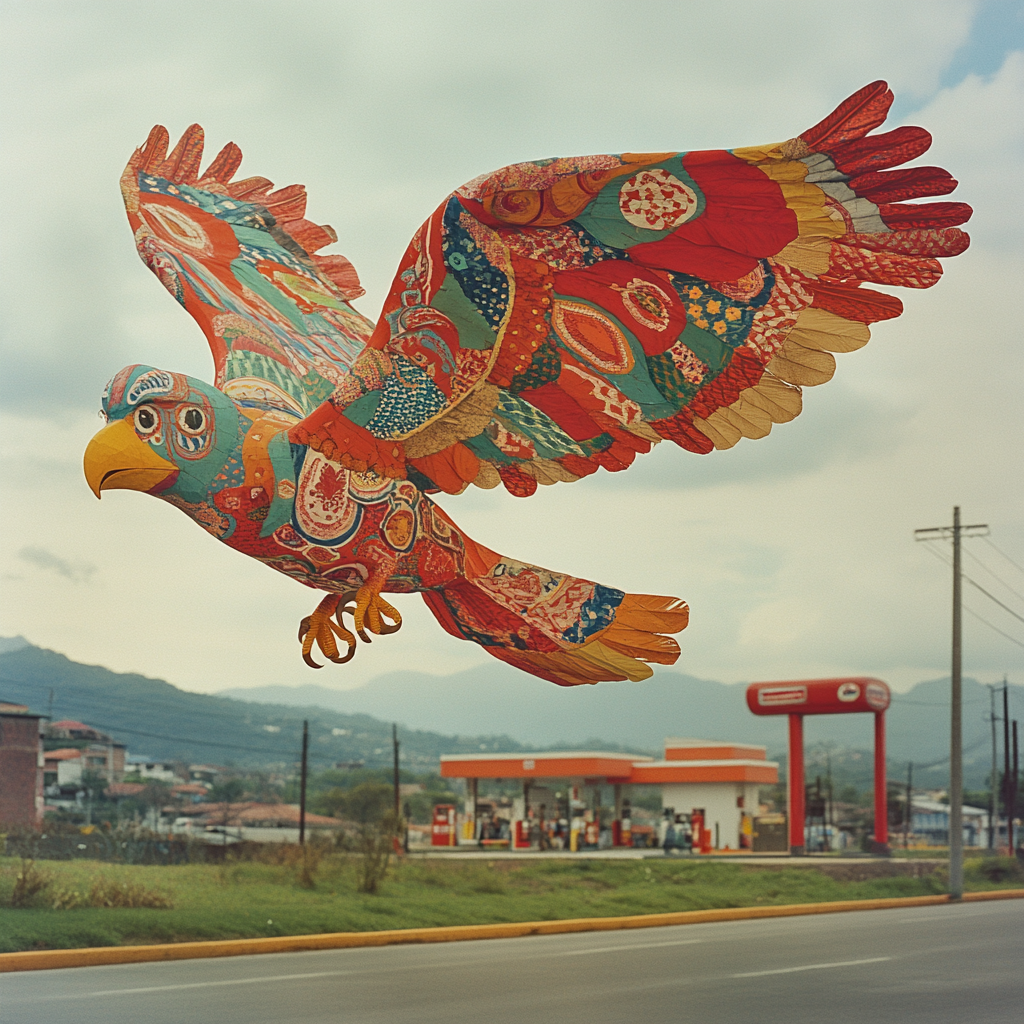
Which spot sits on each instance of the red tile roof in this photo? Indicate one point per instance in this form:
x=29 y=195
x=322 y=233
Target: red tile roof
x=116 y=789
x=263 y=814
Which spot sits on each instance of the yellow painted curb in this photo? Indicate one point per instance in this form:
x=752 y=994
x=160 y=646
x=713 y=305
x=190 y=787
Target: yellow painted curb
x=53 y=959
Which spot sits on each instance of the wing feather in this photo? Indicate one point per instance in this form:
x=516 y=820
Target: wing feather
x=240 y=258
x=560 y=316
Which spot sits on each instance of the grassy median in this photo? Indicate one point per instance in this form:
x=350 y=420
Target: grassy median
x=88 y=903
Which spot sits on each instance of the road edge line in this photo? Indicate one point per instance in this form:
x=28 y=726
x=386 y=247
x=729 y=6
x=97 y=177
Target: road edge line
x=58 y=959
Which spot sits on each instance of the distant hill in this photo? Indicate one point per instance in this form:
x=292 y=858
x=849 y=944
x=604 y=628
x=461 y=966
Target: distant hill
x=495 y=709
x=640 y=715
x=156 y=719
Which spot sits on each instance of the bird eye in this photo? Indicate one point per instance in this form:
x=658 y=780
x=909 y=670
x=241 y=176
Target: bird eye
x=191 y=420
x=146 y=419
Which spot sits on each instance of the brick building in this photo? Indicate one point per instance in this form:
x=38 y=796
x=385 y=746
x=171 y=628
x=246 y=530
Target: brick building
x=21 y=766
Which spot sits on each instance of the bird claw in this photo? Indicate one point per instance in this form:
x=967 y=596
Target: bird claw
x=369 y=612
x=318 y=628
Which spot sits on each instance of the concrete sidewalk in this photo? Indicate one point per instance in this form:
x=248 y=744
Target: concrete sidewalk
x=474 y=853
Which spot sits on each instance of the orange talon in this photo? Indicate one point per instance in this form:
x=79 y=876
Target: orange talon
x=318 y=628
x=370 y=610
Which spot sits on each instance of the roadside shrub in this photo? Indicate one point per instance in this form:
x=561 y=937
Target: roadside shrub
x=68 y=899
x=304 y=861
x=308 y=862
x=375 y=843
x=29 y=883
x=116 y=892
x=999 y=869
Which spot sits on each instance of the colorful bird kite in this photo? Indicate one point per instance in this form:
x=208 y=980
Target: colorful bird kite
x=549 y=319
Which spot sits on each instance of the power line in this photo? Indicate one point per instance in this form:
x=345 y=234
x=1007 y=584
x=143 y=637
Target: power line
x=932 y=703
x=991 y=597
x=942 y=558
x=1012 y=640
x=1016 y=566
x=946 y=561
x=967 y=750
x=212 y=743
x=995 y=576
x=95 y=706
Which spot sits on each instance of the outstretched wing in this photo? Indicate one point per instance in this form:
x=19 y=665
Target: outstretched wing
x=239 y=257
x=561 y=315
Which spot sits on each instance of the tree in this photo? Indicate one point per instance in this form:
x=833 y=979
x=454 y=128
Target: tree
x=369 y=802
x=230 y=791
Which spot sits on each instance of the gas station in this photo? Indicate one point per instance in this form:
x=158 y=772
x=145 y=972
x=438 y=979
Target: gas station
x=708 y=787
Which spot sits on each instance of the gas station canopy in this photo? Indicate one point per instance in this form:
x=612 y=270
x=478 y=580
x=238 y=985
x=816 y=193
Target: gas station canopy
x=685 y=761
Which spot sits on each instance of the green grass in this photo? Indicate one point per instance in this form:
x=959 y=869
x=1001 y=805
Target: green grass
x=245 y=900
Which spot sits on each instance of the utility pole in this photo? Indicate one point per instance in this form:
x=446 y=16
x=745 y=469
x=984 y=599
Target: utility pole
x=303 y=772
x=830 y=809
x=1006 y=765
x=956 y=768
x=394 y=743
x=910 y=805
x=993 y=798
x=1011 y=811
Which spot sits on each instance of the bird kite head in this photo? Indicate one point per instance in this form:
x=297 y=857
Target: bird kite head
x=166 y=433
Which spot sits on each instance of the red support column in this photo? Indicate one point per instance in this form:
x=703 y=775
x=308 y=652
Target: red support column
x=881 y=786
x=795 y=777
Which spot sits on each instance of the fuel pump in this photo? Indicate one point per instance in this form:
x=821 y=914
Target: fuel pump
x=442 y=832
x=700 y=832
x=626 y=825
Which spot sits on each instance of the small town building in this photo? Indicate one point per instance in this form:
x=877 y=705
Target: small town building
x=99 y=753
x=929 y=821
x=711 y=782
x=21 y=765
x=63 y=767
x=160 y=771
x=720 y=779
x=250 y=820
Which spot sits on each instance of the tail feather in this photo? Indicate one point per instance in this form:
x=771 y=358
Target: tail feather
x=561 y=628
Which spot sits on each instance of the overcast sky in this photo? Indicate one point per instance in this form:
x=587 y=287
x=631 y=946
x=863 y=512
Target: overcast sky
x=796 y=552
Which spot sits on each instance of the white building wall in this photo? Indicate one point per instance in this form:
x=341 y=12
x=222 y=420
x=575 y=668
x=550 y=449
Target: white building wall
x=163 y=772
x=720 y=803
x=69 y=772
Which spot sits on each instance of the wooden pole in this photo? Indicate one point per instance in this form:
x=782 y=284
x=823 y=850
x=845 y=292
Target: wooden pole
x=956 y=768
x=993 y=797
x=1006 y=765
x=302 y=782
x=394 y=743
x=1012 y=810
x=908 y=817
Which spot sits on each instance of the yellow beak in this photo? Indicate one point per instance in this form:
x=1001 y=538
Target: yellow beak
x=116 y=458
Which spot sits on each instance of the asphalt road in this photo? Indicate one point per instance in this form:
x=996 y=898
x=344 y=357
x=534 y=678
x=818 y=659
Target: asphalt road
x=934 y=965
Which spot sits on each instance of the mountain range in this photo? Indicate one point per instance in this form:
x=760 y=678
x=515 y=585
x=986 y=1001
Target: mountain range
x=164 y=723
x=639 y=716
x=492 y=708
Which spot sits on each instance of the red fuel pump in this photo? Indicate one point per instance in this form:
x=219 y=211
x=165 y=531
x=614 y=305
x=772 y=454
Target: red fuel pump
x=521 y=839
x=442 y=831
x=701 y=836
